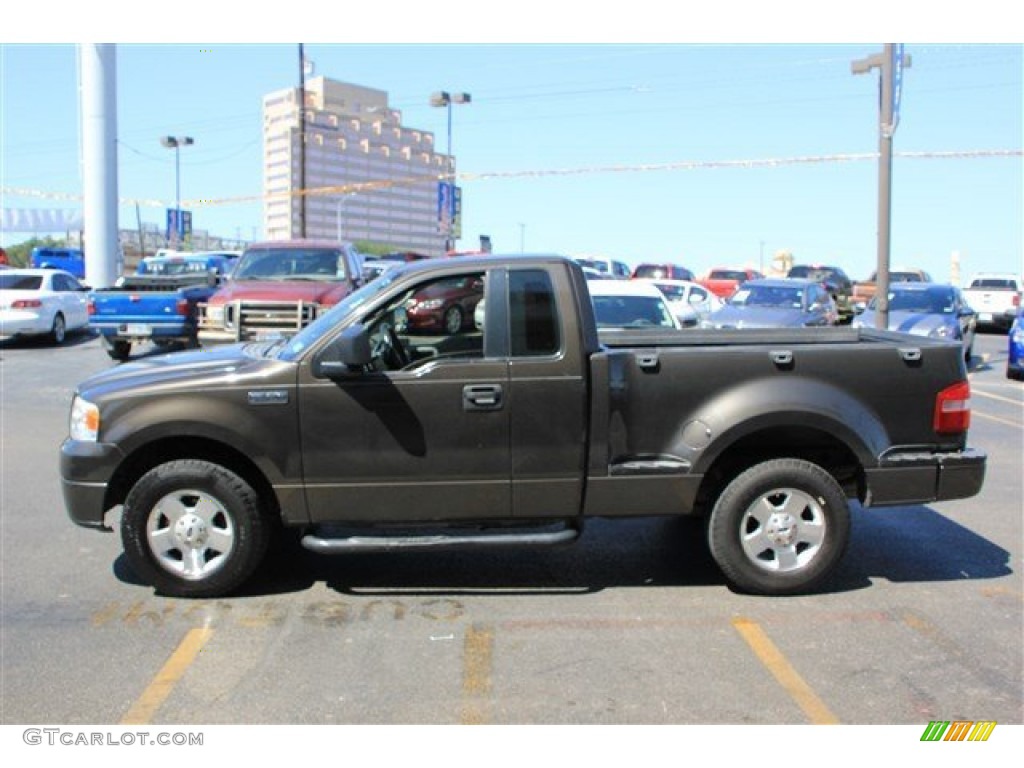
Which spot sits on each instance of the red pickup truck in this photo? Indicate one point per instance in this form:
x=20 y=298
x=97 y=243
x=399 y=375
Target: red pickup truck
x=279 y=287
x=723 y=281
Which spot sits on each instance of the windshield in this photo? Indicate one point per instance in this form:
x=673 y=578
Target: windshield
x=937 y=302
x=313 y=332
x=291 y=264
x=813 y=273
x=672 y=292
x=768 y=296
x=631 y=312
x=727 y=274
x=994 y=283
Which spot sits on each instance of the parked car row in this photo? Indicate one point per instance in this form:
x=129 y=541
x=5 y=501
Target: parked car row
x=53 y=302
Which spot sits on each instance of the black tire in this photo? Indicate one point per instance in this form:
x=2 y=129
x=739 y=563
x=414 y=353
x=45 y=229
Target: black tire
x=452 y=320
x=192 y=528
x=119 y=350
x=59 y=331
x=779 y=528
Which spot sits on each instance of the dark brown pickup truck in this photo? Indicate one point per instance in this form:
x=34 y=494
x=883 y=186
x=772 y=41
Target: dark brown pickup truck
x=368 y=437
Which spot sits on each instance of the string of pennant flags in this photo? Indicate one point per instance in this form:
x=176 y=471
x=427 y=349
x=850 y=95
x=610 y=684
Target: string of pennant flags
x=685 y=165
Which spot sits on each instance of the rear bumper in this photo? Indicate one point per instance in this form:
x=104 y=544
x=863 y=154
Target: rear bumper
x=918 y=478
x=153 y=330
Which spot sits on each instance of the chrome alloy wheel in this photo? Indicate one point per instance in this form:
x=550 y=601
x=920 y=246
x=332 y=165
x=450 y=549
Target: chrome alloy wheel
x=783 y=530
x=190 y=534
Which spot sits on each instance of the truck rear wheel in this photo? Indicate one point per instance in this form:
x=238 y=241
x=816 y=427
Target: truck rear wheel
x=780 y=527
x=194 y=529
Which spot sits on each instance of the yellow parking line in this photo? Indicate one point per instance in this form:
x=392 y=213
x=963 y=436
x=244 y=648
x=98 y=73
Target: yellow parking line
x=149 y=702
x=477 y=663
x=765 y=650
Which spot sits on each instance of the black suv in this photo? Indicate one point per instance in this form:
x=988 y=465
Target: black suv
x=835 y=280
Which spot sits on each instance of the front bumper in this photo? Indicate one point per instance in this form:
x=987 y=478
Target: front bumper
x=922 y=477
x=85 y=472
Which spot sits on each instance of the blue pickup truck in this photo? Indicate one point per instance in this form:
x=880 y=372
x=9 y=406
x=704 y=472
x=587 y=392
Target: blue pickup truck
x=158 y=304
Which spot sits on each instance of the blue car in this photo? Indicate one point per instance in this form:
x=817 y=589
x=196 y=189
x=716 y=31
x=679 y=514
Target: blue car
x=927 y=309
x=1015 y=356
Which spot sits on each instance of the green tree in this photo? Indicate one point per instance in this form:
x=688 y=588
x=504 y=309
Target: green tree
x=19 y=255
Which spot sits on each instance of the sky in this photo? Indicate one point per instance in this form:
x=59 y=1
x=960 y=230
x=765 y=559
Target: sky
x=708 y=147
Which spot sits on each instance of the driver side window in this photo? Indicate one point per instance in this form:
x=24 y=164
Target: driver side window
x=436 y=319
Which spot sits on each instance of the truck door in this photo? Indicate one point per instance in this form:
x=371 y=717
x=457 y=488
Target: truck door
x=547 y=395
x=424 y=435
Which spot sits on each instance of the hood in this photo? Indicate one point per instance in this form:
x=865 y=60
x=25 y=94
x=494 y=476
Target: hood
x=325 y=292
x=758 y=317
x=230 y=365
x=916 y=323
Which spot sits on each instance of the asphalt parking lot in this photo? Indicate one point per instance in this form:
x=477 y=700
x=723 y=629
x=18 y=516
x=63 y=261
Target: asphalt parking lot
x=633 y=625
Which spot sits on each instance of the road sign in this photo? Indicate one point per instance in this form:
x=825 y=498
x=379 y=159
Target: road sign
x=179 y=225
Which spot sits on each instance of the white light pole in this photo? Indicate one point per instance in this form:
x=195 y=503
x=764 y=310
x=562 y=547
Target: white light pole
x=341 y=202
x=446 y=99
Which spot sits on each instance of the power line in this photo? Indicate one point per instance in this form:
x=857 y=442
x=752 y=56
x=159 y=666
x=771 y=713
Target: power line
x=678 y=166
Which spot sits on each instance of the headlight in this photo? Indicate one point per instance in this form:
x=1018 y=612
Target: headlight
x=1018 y=334
x=943 y=332
x=431 y=304
x=85 y=420
x=215 y=314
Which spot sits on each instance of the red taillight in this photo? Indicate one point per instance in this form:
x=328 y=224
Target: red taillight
x=1016 y=299
x=181 y=307
x=26 y=304
x=90 y=307
x=953 y=409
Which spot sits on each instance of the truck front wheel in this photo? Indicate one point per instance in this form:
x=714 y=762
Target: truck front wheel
x=194 y=529
x=780 y=527
x=119 y=350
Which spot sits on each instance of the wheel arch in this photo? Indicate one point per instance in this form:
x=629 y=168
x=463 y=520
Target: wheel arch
x=163 y=450
x=820 y=445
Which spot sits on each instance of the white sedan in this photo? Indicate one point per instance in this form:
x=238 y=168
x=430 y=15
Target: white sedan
x=690 y=301
x=630 y=304
x=36 y=302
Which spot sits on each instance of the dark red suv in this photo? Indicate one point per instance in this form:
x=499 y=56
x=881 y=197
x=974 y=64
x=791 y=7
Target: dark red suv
x=445 y=306
x=662 y=272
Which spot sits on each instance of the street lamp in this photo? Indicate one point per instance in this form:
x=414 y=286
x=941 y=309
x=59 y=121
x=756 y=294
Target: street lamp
x=445 y=99
x=176 y=143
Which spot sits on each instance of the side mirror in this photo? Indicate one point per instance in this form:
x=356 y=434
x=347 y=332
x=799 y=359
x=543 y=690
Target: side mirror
x=400 y=320
x=348 y=354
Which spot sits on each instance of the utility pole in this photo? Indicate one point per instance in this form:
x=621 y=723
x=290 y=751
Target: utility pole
x=890 y=62
x=302 y=142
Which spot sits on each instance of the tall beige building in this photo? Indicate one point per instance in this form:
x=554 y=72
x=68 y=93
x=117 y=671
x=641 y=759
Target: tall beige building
x=367 y=176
